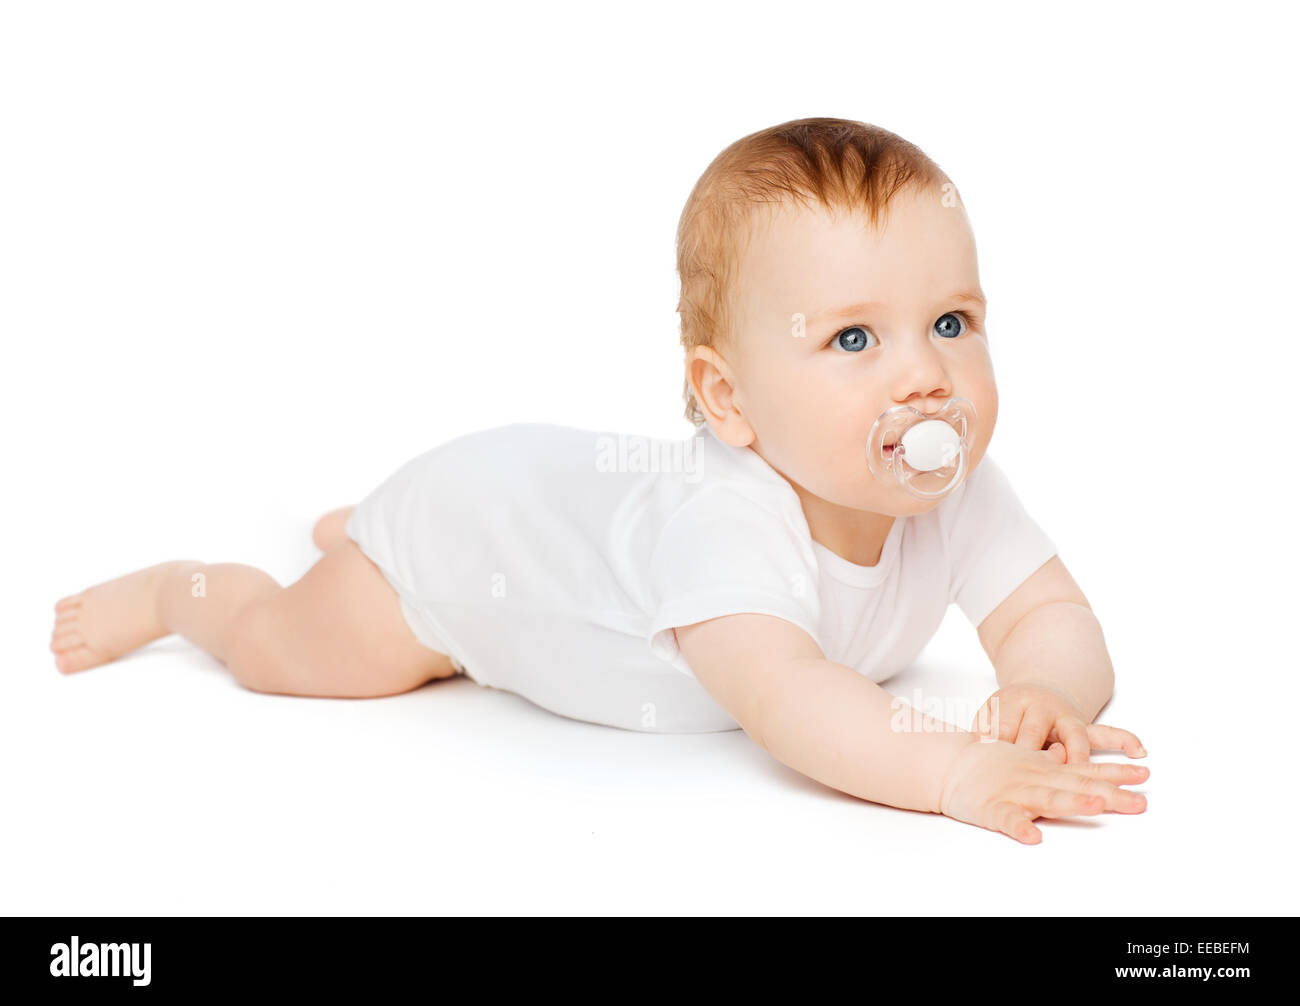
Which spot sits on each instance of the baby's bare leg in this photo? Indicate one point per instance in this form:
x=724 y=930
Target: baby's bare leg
x=339 y=631
x=200 y=602
x=103 y=622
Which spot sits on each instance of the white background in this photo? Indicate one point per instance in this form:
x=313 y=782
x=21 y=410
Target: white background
x=253 y=256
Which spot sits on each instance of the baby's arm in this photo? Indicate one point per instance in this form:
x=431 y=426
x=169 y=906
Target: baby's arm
x=1044 y=637
x=819 y=717
x=830 y=723
x=1045 y=632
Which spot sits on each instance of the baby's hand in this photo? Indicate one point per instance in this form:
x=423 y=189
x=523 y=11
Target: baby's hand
x=1032 y=714
x=1004 y=787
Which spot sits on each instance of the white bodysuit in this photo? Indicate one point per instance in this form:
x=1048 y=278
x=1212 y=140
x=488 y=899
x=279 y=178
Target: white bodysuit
x=554 y=562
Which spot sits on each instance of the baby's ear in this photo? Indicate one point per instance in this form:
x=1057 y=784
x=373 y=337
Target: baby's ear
x=711 y=385
x=735 y=432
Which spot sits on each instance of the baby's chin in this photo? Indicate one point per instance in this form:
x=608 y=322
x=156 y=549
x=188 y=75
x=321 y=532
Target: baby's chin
x=900 y=503
x=879 y=497
x=861 y=490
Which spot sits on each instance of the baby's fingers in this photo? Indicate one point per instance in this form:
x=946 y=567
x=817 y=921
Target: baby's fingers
x=1119 y=773
x=1034 y=728
x=1060 y=800
x=1016 y=817
x=1104 y=738
x=1105 y=785
x=1014 y=820
x=1073 y=736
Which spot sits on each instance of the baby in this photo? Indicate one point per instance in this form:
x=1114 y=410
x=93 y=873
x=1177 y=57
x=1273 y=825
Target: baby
x=764 y=573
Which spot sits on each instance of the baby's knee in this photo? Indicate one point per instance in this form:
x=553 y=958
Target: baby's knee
x=250 y=647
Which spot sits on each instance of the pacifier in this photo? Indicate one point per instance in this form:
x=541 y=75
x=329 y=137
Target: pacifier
x=927 y=454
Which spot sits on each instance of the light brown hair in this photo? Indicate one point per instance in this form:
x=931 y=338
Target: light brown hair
x=840 y=164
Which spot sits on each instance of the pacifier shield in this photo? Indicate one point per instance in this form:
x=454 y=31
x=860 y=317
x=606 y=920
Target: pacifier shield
x=926 y=454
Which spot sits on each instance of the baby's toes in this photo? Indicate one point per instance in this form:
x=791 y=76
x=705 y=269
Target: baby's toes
x=69 y=603
x=67 y=641
x=76 y=658
x=65 y=637
x=65 y=627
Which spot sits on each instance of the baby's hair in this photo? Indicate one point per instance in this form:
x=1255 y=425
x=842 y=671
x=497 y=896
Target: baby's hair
x=837 y=163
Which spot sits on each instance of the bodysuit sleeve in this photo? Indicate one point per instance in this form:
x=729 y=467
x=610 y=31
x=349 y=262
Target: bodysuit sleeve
x=994 y=545
x=724 y=553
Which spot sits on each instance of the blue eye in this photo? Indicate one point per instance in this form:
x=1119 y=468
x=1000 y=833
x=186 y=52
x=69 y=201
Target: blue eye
x=851 y=340
x=948 y=326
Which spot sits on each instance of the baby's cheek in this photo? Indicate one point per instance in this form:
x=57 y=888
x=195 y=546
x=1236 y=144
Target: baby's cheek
x=988 y=418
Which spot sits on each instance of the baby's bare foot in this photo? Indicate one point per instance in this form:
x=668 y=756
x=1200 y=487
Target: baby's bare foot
x=110 y=619
x=328 y=531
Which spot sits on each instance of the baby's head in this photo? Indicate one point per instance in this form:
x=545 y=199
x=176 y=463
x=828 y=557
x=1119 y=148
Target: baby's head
x=828 y=273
